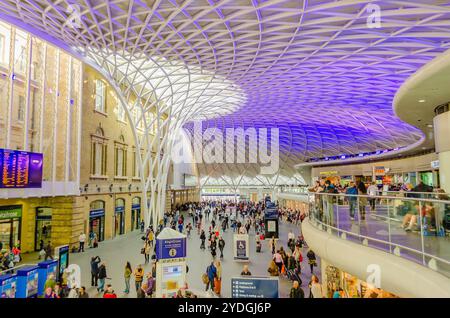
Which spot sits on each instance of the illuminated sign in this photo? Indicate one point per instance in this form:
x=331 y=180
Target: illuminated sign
x=328 y=173
x=20 y=169
x=379 y=171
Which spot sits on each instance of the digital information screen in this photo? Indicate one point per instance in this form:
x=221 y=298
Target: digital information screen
x=20 y=169
x=254 y=287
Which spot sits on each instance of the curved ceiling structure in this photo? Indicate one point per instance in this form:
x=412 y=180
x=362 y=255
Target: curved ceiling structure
x=318 y=70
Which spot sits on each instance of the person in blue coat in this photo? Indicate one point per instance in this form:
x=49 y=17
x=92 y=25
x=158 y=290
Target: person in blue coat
x=211 y=271
x=351 y=191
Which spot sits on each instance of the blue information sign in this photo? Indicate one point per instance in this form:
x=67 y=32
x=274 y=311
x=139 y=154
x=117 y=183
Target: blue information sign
x=271 y=213
x=170 y=248
x=96 y=213
x=254 y=287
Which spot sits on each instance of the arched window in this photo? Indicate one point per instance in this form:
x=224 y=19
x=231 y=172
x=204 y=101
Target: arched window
x=99 y=204
x=121 y=157
x=98 y=153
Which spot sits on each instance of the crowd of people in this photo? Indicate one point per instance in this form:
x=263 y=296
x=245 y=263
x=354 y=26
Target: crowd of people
x=363 y=198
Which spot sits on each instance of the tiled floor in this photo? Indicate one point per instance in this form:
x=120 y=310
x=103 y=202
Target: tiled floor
x=115 y=253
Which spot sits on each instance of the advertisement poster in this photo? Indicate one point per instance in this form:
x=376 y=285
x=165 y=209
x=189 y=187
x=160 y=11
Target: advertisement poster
x=271 y=226
x=170 y=277
x=241 y=247
x=8 y=286
x=32 y=283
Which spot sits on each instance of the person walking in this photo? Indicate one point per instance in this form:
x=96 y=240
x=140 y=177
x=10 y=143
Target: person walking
x=150 y=237
x=221 y=246
x=127 y=276
x=372 y=191
x=138 y=276
x=101 y=277
x=146 y=249
x=81 y=239
x=296 y=291
x=218 y=278
x=94 y=270
x=211 y=272
x=311 y=260
x=48 y=251
x=278 y=259
x=273 y=244
x=315 y=288
x=142 y=226
x=362 y=200
x=351 y=193
x=202 y=238
x=213 y=247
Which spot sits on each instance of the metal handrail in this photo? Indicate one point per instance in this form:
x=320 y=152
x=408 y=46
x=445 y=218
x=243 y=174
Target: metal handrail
x=384 y=242
x=15 y=268
x=312 y=198
x=384 y=197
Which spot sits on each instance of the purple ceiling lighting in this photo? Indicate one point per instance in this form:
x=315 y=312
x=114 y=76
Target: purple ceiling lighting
x=313 y=69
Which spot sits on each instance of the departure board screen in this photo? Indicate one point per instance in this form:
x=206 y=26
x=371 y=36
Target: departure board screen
x=20 y=169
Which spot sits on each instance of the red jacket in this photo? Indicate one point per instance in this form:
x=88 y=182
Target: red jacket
x=109 y=295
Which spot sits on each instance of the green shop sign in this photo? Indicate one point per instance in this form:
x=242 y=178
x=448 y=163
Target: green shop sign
x=10 y=212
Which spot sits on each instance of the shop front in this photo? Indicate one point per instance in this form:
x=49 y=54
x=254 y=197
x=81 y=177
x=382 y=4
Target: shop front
x=43 y=227
x=97 y=220
x=351 y=286
x=135 y=213
x=10 y=220
x=119 y=220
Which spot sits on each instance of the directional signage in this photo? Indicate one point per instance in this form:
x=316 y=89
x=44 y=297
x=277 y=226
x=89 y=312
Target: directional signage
x=254 y=287
x=170 y=248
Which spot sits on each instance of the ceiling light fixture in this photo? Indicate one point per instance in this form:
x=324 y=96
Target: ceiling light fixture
x=422 y=100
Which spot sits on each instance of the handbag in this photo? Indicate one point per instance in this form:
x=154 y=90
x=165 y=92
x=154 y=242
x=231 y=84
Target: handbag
x=142 y=250
x=205 y=278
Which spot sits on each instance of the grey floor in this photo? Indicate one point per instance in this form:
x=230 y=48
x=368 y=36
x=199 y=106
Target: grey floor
x=116 y=252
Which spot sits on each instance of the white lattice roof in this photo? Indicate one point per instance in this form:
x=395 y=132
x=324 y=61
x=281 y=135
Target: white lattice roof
x=312 y=68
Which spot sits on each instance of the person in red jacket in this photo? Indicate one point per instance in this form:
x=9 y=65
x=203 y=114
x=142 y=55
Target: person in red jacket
x=109 y=292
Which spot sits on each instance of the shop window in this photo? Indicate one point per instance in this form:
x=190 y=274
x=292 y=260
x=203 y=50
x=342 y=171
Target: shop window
x=99 y=148
x=100 y=96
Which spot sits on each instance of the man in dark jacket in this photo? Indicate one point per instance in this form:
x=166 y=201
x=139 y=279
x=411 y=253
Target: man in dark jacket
x=296 y=291
x=221 y=246
x=94 y=270
x=48 y=252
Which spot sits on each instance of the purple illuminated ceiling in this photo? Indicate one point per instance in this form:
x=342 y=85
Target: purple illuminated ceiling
x=314 y=69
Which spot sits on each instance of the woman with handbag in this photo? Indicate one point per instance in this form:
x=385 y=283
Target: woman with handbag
x=311 y=260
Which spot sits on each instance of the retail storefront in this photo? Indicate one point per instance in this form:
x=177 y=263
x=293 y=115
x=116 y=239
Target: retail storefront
x=119 y=217
x=351 y=286
x=43 y=227
x=10 y=222
x=97 y=219
x=135 y=213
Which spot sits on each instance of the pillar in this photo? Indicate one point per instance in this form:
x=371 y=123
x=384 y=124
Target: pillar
x=442 y=144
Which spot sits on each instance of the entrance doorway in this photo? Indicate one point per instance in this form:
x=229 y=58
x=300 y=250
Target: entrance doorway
x=136 y=213
x=10 y=217
x=119 y=220
x=43 y=227
x=97 y=221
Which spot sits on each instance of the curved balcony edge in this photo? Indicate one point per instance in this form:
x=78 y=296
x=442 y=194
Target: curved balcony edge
x=397 y=275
